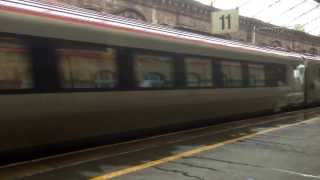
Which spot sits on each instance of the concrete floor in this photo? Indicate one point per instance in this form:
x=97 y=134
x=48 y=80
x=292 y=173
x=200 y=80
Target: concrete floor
x=277 y=148
x=292 y=153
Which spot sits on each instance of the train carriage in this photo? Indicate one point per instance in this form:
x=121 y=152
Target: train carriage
x=68 y=74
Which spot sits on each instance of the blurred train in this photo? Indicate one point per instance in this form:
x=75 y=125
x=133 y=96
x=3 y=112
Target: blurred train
x=71 y=75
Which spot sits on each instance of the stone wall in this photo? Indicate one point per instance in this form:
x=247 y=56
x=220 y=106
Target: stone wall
x=193 y=16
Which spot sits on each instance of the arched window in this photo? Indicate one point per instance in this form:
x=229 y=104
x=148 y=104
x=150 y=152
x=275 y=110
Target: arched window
x=289 y=48
x=313 y=51
x=224 y=36
x=131 y=13
x=263 y=44
x=276 y=43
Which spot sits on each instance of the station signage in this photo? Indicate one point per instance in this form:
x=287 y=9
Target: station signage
x=226 y=21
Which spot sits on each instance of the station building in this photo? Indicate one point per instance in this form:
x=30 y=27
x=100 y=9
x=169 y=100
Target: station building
x=193 y=16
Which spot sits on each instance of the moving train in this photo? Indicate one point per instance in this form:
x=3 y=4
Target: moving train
x=69 y=75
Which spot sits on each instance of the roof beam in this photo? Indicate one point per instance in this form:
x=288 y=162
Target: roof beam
x=304 y=14
x=290 y=9
x=312 y=20
x=244 y=3
x=268 y=7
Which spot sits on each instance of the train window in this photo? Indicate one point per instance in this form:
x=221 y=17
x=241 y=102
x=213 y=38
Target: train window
x=88 y=68
x=276 y=75
x=199 y=72
x=15 y=65
x=154 y=71
x=257 y=76
x=232 y=74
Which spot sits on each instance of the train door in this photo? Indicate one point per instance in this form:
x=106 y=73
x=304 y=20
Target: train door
x=299 y=82
x=313 y=83
x=295 y=95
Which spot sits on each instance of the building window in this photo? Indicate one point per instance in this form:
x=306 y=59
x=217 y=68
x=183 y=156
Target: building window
x=257 y=76
x=313 y=51
x=232 y=74
x=132 y=14
x=88 y=68
x=275 y=43
x=199 y=72
x=15 y=65
x=154 y=71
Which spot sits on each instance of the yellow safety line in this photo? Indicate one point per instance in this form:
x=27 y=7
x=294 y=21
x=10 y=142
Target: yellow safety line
x=187 y=154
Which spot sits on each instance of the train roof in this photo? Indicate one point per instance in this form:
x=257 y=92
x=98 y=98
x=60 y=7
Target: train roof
x=49 y=8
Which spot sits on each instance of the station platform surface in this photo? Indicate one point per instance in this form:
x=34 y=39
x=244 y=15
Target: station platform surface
x=277 y=147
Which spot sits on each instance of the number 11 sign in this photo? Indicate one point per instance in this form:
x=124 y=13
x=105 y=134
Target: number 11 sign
x=226 y=21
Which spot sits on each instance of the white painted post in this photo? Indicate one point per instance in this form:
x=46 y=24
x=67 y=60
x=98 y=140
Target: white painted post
x=254 y=34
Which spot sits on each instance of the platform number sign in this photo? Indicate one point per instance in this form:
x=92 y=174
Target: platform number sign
x=225 y=21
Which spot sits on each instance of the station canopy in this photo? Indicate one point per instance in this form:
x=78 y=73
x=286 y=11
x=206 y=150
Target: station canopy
x=294 y=14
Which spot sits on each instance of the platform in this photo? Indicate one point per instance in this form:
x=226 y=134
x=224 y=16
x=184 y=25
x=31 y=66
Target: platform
x=277 y=147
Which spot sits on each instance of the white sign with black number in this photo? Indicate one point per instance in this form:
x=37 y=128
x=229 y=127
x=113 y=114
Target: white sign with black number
x=226 y=21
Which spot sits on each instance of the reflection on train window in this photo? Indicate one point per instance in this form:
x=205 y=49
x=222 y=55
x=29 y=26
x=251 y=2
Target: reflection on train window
x=232 y=74
x=15 y=65
x=154 y=71
x=82 y=68
x=194 y=79
x=298 y=75
x=257 y=77
x=276 y=75
x=199 y=72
